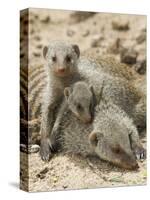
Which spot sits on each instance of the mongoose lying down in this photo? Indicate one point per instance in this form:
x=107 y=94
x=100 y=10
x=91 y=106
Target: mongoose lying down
x=112 y=136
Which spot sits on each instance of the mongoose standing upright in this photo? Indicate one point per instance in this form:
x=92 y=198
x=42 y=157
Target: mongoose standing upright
x=61 y=68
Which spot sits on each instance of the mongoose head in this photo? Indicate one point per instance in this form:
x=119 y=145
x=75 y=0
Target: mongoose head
x=61 y=58
x=81 y=101
x=116 y=150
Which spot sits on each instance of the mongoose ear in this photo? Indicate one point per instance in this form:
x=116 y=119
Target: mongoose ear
x=76 y=49
x=93 y=139
x=92 y=89
x=93 y=94
x=67 y=92
x=45 y=50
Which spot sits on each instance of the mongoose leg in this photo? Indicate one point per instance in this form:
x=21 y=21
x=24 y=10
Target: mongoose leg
x=140 y=114
x=56 y=126
x=136 y=146
x=46 y=128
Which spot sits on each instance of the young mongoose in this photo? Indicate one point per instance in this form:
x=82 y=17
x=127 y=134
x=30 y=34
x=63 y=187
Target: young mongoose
x=80 y=99
x=112 y=136
x=62 y=71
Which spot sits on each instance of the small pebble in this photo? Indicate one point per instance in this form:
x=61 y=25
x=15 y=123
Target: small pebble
x=45 y=20
x=55 y=179
x=42 y=173
x=65 y=186
x=39 y=46
x=120 y=25
x=79 y=16
x=70 y=32
x=45 y=170
x=36 y=54
x=128 y=56
x=141 y=38
x=115 y=47
x=96 y=41
x=85 y=33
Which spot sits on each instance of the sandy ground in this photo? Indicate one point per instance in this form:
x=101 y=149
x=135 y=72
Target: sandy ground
x=101 y=34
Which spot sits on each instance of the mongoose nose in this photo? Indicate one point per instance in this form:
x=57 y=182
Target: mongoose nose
x=61 y=70
x=89 y=120
x=136 y=166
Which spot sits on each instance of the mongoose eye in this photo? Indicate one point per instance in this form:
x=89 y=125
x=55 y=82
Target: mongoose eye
x=116 y=150
x=79 y=107
x=68 y=58
x=54 y=58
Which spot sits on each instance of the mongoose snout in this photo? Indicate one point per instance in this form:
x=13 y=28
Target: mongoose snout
x=89 y=119
x=85 y=119
x=61 y=70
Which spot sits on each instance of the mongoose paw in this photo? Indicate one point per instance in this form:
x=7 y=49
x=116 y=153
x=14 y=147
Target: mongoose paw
x=140 y=153
x=45 y=151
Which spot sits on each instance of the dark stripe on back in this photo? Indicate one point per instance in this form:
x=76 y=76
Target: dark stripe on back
x=36 y=73
x=35 y=100
x=36 y=82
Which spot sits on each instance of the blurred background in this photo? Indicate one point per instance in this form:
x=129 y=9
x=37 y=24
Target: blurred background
x=122 y=37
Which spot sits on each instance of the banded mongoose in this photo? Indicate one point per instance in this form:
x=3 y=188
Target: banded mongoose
x=62 y=71
x=81 y=100
x=112 y=136
x=34 y=81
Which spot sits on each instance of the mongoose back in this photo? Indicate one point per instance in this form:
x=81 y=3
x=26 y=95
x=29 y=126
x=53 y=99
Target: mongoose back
x=112 y=136
x=110 y=66
x=31 y=92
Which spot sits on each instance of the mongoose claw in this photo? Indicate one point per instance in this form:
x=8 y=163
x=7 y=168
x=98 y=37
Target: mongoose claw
x=45 y=151
x=140 y=153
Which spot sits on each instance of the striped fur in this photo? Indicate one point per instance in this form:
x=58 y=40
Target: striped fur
x=32 y=83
